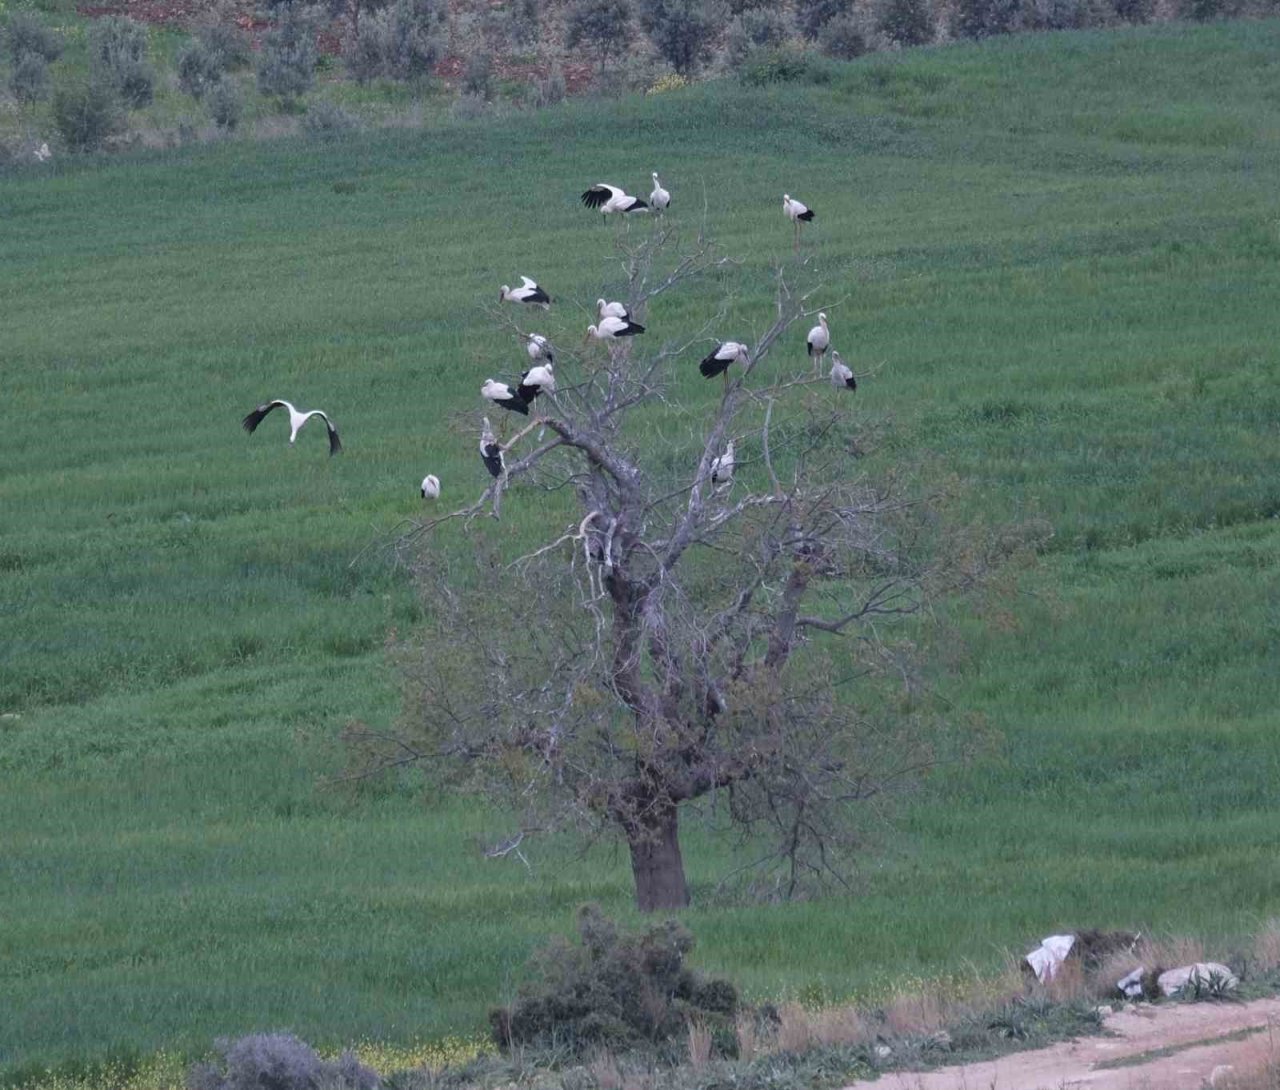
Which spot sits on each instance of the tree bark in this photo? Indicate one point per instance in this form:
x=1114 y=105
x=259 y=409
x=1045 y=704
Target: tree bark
x=656 y=861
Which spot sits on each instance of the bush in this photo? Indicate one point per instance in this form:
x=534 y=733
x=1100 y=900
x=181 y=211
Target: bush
x=601 y=25
x=278 y=1061
x=522 y=22
x=404 y=42
x=984 y=18
x=553 y=89
x=118 y=59
x=26 y=35
x=223 y=39
x=29 y=79
x=845 y=38
x=477 y=78
x=613 y=990
x=813 y=15
x=224 y=103
x=287 y=67
x=86 y=115
x=682 y=31
x=198 y=69
x=324 y=120
x=1139 y=11
x=760 y=28
x=786 y=64
x=907 y=22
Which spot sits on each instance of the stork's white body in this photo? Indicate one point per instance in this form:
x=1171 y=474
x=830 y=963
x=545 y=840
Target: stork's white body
x=528 y=292
x=537 y=380
x=538 y=347
x=660 y=199
x=722 y=468
x=609 y=199
x=612 y=328
x=430 y=487
x=796 y=211
x=819 y=339
x=841 y=376
x=718 y=362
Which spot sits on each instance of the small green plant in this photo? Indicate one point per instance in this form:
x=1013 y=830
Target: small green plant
x=614 y=989
x=86 y=115
x=785 y=64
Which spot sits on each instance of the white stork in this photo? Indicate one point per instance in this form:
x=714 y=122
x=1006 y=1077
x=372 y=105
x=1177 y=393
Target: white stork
x=611 y=329
x=504 y=397
x=528 y=292
x=841 y=376
x=491 y=452
x=539 y=348
x=612 y=310
x=296 y=420
x=660 y=199
x=818 y=340
x=798 y=213
x=609 y=198
x=718 y=359
x=430 y=487
x=722 y=468
x=535 y=381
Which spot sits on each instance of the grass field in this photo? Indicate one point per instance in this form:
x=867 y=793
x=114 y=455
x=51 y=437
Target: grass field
x=1065 y=249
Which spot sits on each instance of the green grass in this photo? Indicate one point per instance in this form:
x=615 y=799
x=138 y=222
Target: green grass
x=1065 y=251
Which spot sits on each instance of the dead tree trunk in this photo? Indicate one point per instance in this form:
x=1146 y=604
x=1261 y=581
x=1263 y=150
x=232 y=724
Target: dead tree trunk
x=656 y=862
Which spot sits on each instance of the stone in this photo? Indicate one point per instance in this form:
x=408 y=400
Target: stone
x=1209 y=977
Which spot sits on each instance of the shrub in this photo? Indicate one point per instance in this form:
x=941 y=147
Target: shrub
x=224 y=103
x=468 y=108
x=601 y=25
x=1138 y=11
x=682 y=31
x=984 y=18
x=278 y=1061
x=287 y=66
x=612 y=989
x=522 y=22
x=27 y=35
x=327 y=119
x=365 y=55
x=786 y=64
x=404 y=42
x=553 y=89
x=845 y=38
x=477 y=77
x=754 y=29
x=223 y=39
x=86 y=115
x=907 y=22
x=198 y=69
x=813 y=15
x=29 y=79
x=118 y=59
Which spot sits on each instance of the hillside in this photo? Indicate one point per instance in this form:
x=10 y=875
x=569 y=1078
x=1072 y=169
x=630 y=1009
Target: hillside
x=1062 y=253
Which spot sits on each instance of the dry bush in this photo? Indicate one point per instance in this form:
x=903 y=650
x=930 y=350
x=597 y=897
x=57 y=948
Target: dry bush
x=914 y=1015
x=1266 y=947
x=701 y=1041
x=604 y=1071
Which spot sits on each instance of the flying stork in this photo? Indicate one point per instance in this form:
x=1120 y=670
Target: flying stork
x=536 y=380
x=722 y=468
x=818 y=340
x=491 y=452
x=528 y=292
x=296 y=420
x=611 y=329
x=430 y=487
x=504 y=397
x=841 y=376
x=609 y=198
x=539 y=348
x=660 y=199
x=798 y=213
x=718 y=360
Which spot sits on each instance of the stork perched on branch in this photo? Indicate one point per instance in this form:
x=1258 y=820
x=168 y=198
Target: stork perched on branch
x=841 y=376
x=818 y=341
x=722 y=468
x=535 y=381
x=296 y=420
x=718 y=360
x=491 y=451
x=504 y=397
x=539 y=348
x=609 y=198
x=528 y=292
x=611 y=329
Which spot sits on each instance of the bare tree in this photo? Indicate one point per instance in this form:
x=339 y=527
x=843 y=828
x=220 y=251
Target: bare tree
x=646 y=653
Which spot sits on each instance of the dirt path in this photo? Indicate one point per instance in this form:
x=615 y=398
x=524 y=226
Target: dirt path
x=1172 y=1047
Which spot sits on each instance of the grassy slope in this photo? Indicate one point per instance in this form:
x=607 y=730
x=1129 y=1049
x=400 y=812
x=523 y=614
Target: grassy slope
x=1065 y=248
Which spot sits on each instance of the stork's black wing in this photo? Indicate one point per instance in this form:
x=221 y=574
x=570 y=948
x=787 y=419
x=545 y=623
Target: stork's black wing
x=251 y=422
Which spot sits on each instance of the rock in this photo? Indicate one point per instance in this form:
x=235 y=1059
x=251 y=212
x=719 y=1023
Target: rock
x=1221 y=1074
x=940 y=1041
x=1131 y=986
x=883 y=1052
x=1103 y=1010
x=1208 y=978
